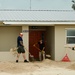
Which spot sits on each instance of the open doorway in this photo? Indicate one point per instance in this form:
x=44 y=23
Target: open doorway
x=41 y=32
x=35 y=34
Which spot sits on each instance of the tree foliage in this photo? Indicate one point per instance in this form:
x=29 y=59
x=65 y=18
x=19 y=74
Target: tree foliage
x=73 y=5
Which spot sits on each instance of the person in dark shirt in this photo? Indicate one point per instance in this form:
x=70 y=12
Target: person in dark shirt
x=41 y=45
x=20 y=47
x=41 y=49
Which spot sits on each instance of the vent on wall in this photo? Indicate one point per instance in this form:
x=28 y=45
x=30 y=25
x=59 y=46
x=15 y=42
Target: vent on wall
x=34 y=27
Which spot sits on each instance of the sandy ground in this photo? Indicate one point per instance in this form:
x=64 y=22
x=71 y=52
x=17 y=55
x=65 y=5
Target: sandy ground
x=46 y=67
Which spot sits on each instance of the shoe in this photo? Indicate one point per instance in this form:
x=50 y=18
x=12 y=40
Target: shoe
x=16 y=61
x=25 y=61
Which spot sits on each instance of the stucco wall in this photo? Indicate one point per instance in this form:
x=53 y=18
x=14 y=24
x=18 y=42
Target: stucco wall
x=25 y=30
x=60 y=50
x=50 y=41
x=8 y=39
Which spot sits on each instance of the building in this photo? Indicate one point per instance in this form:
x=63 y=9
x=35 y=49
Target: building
x=56 y=27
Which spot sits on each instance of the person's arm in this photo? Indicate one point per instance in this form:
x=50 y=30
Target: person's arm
x=34 y=44
x=43 y=48
x=21 y=42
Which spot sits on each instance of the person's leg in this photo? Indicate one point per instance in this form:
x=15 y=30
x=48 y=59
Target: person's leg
x=24 y=56
x=23 y=53
x=18 y=55
x=25 y=60
x=43 y=55
x=40 y=56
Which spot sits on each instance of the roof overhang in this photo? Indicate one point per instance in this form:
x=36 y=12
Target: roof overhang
x=38 y=23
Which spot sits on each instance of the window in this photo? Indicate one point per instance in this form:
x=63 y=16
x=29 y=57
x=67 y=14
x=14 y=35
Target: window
x=70 y=36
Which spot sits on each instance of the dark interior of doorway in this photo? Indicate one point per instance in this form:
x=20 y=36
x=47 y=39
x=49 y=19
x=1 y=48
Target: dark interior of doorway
x=35 y=34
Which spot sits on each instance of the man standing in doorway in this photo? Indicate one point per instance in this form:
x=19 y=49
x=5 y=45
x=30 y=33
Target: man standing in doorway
x=20 y=47
x=41 y=49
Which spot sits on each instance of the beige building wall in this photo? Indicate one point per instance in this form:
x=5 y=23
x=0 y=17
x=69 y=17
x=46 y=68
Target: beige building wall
x=56 y=36
x=50 y=49
x=8 y=37
x=60 y=39
x=8 y=40
x=25 y=30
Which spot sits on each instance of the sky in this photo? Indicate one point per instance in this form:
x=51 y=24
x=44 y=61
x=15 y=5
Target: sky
x=36 y=4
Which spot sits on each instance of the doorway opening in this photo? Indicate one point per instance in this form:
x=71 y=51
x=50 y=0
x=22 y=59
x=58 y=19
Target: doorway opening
x=46 y=33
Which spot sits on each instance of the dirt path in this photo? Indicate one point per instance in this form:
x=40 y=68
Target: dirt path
x=47 y=67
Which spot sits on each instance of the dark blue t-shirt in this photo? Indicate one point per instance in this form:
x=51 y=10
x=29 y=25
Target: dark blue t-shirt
x=18 y=41
x=41 y=45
